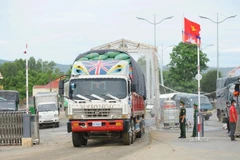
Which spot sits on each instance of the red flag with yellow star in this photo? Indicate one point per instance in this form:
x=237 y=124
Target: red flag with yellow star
x=191 y=27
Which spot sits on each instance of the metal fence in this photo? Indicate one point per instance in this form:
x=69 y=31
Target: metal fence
x=11 y=128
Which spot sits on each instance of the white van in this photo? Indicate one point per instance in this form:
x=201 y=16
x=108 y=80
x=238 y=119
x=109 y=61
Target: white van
x=48 y=114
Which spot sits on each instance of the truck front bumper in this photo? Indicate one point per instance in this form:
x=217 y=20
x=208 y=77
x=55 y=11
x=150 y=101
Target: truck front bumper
x=97 y=125
x=207 y=113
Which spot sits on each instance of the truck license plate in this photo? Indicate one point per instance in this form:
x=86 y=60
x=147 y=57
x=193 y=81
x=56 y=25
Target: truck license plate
x=97 y=124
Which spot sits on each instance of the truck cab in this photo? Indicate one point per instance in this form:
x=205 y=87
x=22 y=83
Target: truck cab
x=48 y=113
x=47 y=106
x=9 y=100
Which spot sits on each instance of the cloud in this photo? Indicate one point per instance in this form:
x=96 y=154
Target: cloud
x=3 y=42
x=233 y=49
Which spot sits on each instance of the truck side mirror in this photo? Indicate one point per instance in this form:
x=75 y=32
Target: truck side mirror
x=129 y=87
x=61 y=87
x=133 y=87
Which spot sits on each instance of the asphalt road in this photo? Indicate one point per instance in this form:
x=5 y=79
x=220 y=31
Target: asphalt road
x=157 y=143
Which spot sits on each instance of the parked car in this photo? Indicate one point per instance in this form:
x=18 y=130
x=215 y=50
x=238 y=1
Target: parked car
x=205 y=105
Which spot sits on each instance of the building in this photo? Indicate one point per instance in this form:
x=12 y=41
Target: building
x=50 y=87
x=234 y=72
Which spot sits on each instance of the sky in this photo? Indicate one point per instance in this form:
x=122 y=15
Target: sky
x=60 y=30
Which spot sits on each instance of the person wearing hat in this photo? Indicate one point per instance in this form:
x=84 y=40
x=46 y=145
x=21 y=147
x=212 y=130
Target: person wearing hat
x=194 y=133
x=182 y=120
x=233 y=118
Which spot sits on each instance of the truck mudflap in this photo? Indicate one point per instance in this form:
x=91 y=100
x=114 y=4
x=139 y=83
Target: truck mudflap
x=95 y=125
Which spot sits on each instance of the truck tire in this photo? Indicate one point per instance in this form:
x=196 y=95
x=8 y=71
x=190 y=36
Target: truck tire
x=133 y=131
x=206 y=118
x=83 y=139
x=140 y=133
x=127 y=138
x=144 y=127
x=76 y=139
x=57 y=125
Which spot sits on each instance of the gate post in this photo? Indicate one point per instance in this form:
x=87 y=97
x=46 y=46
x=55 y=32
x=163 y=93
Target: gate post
x=26 y=138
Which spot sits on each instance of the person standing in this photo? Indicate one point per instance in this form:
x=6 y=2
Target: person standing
x=219 y=114
x=227 y=114
x=233 y=116
x=194 y=133
x=182 y=120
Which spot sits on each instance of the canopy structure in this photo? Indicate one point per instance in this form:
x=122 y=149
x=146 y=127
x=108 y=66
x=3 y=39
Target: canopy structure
x=152 y=74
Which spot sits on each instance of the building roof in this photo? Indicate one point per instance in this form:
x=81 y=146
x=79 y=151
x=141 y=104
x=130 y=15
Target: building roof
x=52 y=84
x=124 y=45
x=232 y=72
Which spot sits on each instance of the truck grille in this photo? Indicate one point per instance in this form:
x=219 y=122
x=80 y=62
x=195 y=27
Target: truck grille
x=97 y=113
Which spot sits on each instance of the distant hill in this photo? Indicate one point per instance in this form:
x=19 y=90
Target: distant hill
x=224 y=70
x=62 y=67
x=65 y=68
x=2 y=61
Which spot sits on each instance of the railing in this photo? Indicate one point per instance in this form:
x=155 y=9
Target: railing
x=11 y=128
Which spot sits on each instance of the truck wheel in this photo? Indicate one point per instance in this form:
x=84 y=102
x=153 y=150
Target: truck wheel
x=206 y=118
x=57 y=124
x=140 y=133
x=127 y=138
x=76 y=139
x=83 y=140
x=133 y=131
x=143 y=126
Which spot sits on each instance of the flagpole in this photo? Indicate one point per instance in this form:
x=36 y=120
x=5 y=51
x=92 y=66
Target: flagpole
x=199 y=106
x=183 y=31
x=27 y=108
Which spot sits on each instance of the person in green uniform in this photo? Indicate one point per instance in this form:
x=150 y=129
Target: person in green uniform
x=182 y=120
x=194 y=133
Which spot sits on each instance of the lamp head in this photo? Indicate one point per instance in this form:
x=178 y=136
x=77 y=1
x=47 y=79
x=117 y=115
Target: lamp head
x=203 y=17
x=140 y=18
x=233 y=16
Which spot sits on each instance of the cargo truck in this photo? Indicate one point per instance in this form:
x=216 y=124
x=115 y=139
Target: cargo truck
x=9 y=100
x=106 y=93
x=225 y=93
x=47 y=106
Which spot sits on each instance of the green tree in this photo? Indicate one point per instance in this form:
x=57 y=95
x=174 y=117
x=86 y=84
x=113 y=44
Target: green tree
x=39 y=73
x=183 y=67
x=208 y=83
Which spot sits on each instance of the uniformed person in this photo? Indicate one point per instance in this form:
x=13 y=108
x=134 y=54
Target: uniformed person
x=194 y=133
x=182 y=120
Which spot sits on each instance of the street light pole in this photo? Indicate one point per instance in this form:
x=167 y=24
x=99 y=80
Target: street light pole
x=155 y=24
x=155 y=68
x=218 y=22
x=155 y=32
x=161 y=60
x=206 y=46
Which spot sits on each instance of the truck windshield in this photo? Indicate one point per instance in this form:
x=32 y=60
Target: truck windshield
x=203 y=100
x=100 y=87
x=6 y=105
x=47 y=107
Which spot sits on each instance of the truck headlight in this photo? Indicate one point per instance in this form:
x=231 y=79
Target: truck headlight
x=124 y=116
x=55 y=115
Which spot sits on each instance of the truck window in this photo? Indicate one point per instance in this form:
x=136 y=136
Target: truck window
x=203 y=100
x=7 y=105
x=47 y=107
x=101 y=87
